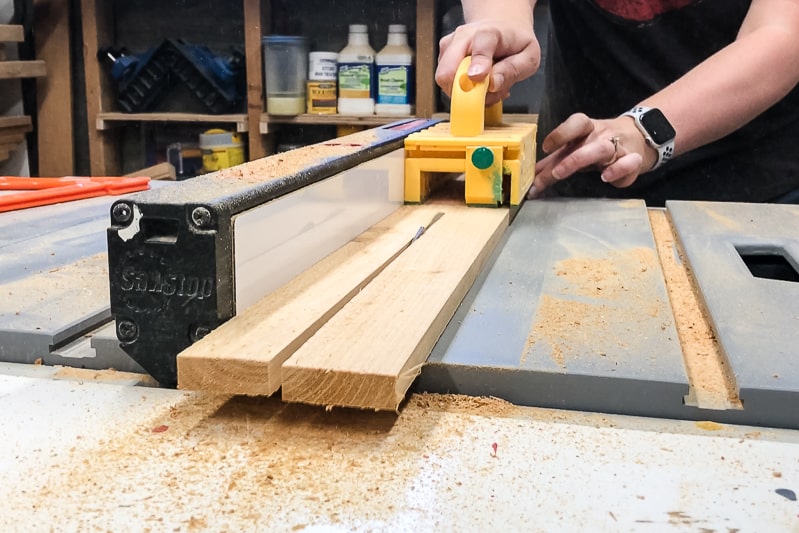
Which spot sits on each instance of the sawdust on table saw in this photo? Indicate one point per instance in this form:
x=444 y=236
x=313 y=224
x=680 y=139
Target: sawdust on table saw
x=707 y=367
x=81 y=284
x=210 y=457
x=293 y=161
x=570 y=324
x=226 y=463
x=106 y=375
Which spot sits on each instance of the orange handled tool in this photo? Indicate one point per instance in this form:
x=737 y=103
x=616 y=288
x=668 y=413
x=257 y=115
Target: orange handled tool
x=47 y=191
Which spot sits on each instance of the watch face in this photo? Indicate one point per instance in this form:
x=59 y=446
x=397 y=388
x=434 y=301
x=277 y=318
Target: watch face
x=655 y=123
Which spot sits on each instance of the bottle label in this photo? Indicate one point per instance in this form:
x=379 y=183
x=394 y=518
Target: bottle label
x=393 y=84
x=322 y=70
x=321 y=97
x=355 y=80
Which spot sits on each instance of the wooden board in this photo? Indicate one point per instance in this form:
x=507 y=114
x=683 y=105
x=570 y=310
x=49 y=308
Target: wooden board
x=425 y=57
x=98 y=31
x=161 y=171
x=370 y=352
x=259 y=145
x=15 y=122
x=11 y=33
x=244 y=355
x=108 y=119
x=22 y=69
x=333 y=119
x=54 y=92
x=11 y=138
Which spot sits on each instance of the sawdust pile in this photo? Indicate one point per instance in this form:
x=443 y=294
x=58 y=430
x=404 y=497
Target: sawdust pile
x=107 y=375
x=228 y=455
x=597 y=309
x=472 y=405
x=705 y=364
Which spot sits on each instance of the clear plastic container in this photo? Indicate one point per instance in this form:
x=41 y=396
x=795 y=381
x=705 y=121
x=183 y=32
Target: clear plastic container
x=394 y=72
x=285 y=74
x=356 y=70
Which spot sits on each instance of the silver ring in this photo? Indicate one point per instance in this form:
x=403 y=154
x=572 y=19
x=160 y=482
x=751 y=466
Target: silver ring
x=615 y=141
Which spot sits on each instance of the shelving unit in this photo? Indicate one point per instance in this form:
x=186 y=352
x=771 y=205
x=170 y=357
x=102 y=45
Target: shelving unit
x=14 y=128
x=15 y=33
x=108 y=119
x=104 y=119
x=331 y=120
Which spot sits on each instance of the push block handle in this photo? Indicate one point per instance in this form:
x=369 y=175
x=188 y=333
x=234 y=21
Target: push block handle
x=469 y=115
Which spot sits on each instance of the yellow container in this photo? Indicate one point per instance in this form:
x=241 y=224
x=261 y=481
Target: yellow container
x=322 y=97
x=221 y=149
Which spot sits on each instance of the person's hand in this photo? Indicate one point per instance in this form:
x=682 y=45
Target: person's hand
x=614 y=147
x=510 y=47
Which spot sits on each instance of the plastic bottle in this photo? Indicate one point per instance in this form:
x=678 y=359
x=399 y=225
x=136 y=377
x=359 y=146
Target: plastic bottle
x=322 y=72
x=356 y=67
x=395 y=81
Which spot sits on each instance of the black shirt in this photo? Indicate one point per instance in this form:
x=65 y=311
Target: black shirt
x=605 y=56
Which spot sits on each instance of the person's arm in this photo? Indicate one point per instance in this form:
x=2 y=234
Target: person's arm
x=497 y=34
x=714 y=99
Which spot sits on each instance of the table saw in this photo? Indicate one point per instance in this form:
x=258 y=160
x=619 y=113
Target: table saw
x=582 y=307
x=573 y=310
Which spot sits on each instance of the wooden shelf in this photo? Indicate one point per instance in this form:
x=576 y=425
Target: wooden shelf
x=106 y=120
x=335 y=120
x=11 y=33
x=14 y=122
x=22 y=69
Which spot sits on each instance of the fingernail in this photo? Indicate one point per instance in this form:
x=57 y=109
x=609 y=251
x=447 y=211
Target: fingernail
x=555 y=174
x=532 y=193
x=474 y=70
x=604 y=177
x=498 y=80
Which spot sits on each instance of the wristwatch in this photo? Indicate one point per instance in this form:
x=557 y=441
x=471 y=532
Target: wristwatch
x=656 y=129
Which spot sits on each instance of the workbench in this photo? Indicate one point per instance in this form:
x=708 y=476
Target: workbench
x=83 y=455
x=665 y=339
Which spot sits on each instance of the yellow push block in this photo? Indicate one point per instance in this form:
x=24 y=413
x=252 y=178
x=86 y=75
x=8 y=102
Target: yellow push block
x=474 y=142
x=436 y=150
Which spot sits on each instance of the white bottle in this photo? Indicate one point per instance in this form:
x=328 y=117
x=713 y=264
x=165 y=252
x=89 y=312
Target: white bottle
x=356 y=68
x=395 y=81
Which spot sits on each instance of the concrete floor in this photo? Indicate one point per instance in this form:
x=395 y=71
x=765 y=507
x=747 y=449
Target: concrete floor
x=90 y=451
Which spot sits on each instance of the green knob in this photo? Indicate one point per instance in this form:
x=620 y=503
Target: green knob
x=482 y=158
